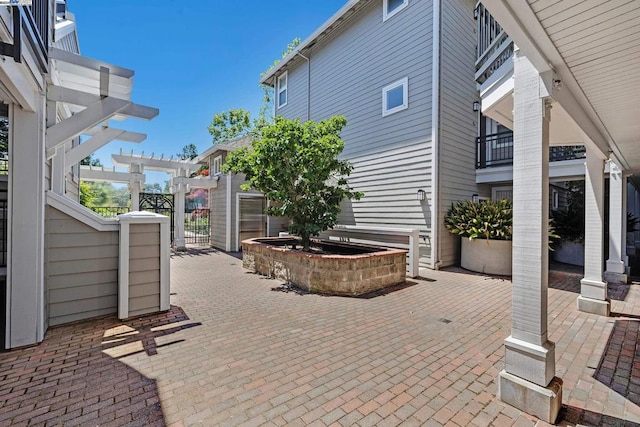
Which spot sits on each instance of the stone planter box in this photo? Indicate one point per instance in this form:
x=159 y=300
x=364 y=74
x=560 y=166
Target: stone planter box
x=569 y=253
x=359 y=270
x=486 y=256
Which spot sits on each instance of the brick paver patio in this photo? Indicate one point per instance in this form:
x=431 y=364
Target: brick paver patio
x=238 y=349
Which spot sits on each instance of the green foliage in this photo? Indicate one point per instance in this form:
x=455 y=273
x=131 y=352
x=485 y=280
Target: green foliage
x=485 y=219
x=569 y=223
x=103 y=194
x=189 y=152
x=87 y=195
x=297 y=168
x=152 y=188
x=90 y=161
x=266 y=111
x=229 y=125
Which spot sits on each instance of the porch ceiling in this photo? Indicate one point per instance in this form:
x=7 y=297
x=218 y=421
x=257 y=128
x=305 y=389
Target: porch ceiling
x=600 y=43
x=593 y=47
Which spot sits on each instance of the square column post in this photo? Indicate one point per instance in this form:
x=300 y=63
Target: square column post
x=593 y=289
x=27 y=315
x=625 y=212
x=617 y=217
x=179 y=193
x=528 y=381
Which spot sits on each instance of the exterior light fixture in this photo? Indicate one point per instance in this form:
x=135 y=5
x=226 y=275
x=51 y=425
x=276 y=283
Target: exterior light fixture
x=475 y=198
x=476 y=106
x=421 y=195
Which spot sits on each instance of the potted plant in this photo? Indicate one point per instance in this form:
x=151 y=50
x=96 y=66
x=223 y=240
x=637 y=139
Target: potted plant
x=486 y=230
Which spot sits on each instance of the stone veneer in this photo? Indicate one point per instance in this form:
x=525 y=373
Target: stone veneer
x=327 y=274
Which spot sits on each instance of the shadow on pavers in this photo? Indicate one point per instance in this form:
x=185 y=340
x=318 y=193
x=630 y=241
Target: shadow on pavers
x=291 y=288
x=77 y=375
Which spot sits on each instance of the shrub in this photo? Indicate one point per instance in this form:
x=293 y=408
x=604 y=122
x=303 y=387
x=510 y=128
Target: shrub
x=484 y=219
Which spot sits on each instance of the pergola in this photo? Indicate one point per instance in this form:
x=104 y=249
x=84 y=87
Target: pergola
x=180 y=183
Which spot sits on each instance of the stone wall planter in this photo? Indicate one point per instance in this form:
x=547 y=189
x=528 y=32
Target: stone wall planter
x=487 y=256
x=360 y=270
x=569 y=253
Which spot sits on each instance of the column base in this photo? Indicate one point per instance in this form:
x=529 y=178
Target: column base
x=594 y=306
x=614 y=277
x=542 y=402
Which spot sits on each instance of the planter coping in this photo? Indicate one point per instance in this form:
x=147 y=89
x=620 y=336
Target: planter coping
x=264 y=241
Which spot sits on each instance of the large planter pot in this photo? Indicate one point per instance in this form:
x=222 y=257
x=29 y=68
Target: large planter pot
x=487 y=256
x=359 y=269
x=569 y=252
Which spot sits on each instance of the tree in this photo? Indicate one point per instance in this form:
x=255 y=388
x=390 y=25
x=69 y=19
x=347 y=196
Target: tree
x=229 y=125
x=296 y=166
x=189 y=152
x=87 y=195
x=152 y=188
x=90 y=161
x=266 y=111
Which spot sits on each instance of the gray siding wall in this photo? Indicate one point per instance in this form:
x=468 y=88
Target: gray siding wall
x=144 y=269
x=458 y=125
x=81 y=269
x=218 y=212
x=392 y=154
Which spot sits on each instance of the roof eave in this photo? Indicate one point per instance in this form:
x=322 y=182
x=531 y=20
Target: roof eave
x=308 y=42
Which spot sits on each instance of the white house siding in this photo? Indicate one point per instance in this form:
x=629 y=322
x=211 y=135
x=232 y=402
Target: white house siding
x=82 y=269
x=144 y=269
x=392 y=154
x=296 y=105
x=458 y=125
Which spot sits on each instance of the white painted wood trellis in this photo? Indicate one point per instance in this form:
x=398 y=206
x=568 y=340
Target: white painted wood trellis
x=180 y=182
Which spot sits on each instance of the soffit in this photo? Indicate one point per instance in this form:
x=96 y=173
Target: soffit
x=599 y=41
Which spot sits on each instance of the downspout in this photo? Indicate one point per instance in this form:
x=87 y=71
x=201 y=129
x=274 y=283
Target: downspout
x=308 y=85
x=435 y=139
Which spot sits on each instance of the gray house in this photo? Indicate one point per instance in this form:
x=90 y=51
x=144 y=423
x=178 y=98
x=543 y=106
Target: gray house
x=402 y=73
x=236 y=215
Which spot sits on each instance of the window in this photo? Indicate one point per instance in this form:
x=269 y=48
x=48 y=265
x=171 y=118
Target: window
x=217 y=166
x=395 y=97
x=391 y=7
x=555 y=199
x=282 y=89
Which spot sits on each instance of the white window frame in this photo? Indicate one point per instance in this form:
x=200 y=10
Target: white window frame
x=405 y=96
x=386 y=14
x=555 y=199
x=216 y=166
x=282 y=88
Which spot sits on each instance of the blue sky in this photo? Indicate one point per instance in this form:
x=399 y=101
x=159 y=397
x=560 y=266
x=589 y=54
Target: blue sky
x=191 y=59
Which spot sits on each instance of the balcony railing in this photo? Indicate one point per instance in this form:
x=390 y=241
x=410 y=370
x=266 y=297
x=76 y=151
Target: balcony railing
x=109 y=211
x=37 y=27
x=494 y=46
x=497 y=150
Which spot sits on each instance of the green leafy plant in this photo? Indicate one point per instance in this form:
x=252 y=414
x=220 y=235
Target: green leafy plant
x=296 y=166
x=485 y=219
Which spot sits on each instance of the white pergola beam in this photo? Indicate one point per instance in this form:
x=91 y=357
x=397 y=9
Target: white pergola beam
x=151 y=163
x=100 y=139
x=205 y=183
x=96 y=113
x=90 y=63
x=139 y=112
x=100 y=175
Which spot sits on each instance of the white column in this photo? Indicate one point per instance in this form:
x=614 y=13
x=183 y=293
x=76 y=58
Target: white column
x=625 y=210
x=617 y=217
x=135 y=187
x=528 y=381
x=26 y=297
x=593 y=289
x=179 y=192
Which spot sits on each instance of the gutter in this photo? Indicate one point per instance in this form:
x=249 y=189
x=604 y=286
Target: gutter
x=435 y=139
